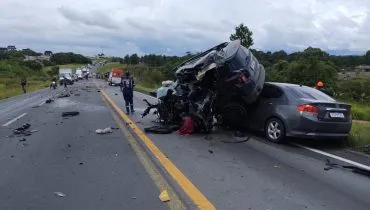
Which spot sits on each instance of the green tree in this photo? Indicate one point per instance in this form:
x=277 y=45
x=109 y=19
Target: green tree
x=243 y=33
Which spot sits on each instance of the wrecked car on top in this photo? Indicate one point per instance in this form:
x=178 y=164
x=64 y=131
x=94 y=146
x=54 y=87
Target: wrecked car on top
x=216 y=85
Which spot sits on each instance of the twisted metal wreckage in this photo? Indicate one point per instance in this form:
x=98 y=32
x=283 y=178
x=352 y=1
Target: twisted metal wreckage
x=212 y=88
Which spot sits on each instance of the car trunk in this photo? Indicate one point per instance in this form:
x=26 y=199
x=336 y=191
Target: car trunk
x=332 y=111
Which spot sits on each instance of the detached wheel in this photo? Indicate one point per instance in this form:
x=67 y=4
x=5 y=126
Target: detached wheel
x=275 y=130
x=234 y=114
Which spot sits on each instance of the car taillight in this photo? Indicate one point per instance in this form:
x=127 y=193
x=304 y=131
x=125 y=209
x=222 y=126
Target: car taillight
x=308 y=108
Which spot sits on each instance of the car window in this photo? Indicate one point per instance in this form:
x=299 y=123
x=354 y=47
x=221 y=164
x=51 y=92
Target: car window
x=309 y=93
x=238 y=62
x=270 y=91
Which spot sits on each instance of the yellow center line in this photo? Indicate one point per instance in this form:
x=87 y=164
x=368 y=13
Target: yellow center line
x=189 y=188
x=175 y=202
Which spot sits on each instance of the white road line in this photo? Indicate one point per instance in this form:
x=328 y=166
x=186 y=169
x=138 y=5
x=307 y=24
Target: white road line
x=362 y=166
x=42 y=103
x=15 y=119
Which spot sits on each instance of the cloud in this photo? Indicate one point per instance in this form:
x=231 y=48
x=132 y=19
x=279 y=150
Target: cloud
x=174 y=27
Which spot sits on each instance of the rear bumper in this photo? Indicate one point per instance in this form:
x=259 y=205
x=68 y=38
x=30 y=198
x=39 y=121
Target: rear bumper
x=310 y=128
x=316 y=135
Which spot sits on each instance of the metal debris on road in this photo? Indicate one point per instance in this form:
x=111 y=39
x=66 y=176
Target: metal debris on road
x=354 y=169
x=48 y=101
x=158 y=129
x=81 y=163
x=133 y=197
x=63 y=95
x=164 y=197
x=23 y=130
x=65 y=114
x=208 y=138
x=104 y=131
x=60 y=194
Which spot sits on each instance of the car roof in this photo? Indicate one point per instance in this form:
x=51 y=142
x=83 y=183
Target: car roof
x=282 y=85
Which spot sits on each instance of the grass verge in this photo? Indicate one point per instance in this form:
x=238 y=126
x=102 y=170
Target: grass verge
x=143 y=89
x=360 y=111
x=12 y=89
x=360 y=136
x=109 y=66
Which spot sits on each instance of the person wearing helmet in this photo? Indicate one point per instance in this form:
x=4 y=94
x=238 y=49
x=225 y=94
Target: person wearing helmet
x=320 y=86
x=127 y=88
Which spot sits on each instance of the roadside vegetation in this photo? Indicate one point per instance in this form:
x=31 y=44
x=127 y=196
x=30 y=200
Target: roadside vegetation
x=360 y=135
x=14 y=67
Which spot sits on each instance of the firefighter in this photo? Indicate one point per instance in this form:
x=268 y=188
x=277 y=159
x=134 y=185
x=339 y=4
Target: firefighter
x=320 y=86
x=127 y=88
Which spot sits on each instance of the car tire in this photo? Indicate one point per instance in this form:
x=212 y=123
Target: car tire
x=234 y=114
x=275 y=130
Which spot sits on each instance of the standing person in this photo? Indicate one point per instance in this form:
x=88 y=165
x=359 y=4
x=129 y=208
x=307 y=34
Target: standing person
x=24 y=84
x=64 y=81
x=320 y=86
x=127 y=88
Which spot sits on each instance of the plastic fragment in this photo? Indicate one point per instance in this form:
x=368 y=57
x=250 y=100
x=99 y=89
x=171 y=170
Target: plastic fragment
x=164 y=197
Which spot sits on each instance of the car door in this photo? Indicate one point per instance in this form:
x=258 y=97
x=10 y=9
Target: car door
x=265 y=107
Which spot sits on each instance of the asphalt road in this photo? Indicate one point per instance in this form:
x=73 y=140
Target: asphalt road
x=66 y=155
x=107 y=171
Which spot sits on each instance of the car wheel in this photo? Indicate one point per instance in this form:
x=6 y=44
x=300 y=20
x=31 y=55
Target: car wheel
x=234 y=114
x=275 y=130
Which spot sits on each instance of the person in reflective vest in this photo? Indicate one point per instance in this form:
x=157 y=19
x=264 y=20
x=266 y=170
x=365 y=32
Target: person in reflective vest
x=127 y=88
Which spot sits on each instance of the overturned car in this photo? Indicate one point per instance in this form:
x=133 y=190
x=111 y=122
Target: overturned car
x=215 y=86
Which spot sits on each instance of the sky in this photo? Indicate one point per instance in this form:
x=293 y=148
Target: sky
x=173 y=27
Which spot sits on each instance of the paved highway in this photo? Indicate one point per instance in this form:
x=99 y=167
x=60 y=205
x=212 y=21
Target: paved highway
x=128 y=170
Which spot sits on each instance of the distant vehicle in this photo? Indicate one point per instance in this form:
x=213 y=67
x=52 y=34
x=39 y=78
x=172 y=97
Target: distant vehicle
x=67 y=73
x=79 y=74
x=115 y=76
x=289 y=110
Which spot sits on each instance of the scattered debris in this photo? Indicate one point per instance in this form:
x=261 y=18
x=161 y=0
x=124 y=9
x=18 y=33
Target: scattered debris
x=11 y=156
x=104 y=131
x=69 y=145
x=116 y=94
x=23 y=130
x=60 y=194
x=81 y=163
x=158 y=129
x=65 y=114
x=99 y=91
x=164 y=197
x=22 y=139
x=208 y=137
x=48 y=101
x=236 y=142
x=63 y=95
x=275 y=166
x=354 y=169
x=34 y=131
x=239 y=134
x=114 y=128
x=133 y=197
x=77 y=94
x=187 y=127
x=210 y=151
